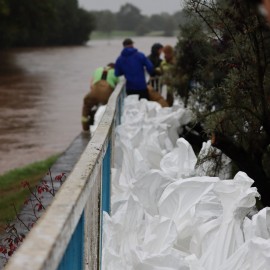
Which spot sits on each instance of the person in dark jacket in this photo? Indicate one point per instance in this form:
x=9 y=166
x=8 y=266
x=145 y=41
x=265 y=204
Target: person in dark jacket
x=132 y=64
x=155 y=59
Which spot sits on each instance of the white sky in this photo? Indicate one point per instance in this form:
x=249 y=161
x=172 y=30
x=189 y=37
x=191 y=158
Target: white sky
x=147 y=7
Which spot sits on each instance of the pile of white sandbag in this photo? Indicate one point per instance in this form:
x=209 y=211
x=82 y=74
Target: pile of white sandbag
x=165 y=213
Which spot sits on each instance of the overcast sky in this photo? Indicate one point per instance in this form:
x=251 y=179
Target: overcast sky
x=147 y=7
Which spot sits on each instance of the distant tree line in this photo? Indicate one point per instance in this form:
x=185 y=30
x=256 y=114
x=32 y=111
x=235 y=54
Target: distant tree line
x=129 y=18
x=46 y=22
x=63 y=22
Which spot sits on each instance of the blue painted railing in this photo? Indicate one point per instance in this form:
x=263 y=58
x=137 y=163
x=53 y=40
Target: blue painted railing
x=106 y=180
x=69 y=234
x=75 y=249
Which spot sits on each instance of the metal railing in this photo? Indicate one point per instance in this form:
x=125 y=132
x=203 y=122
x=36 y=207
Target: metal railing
x=158 y=84
x=69 y=234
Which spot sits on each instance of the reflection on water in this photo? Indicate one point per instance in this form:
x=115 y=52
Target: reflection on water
x=41 y=92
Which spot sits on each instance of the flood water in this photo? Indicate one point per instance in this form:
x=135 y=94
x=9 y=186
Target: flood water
x=41 y=93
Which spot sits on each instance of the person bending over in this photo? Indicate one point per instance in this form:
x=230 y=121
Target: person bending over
x=102 y=85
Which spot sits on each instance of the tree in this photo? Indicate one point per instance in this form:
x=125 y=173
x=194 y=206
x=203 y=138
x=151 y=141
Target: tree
x=48 y=22
x=25 y=20
x=84 y=26
x=194 y=52
x=168 y=27
x=6 y=33
x=105 y=21
x=233 y=83
x=128 y=17
x=142 y=29
x=69 y=18
x=156 y=22
x=180 y=18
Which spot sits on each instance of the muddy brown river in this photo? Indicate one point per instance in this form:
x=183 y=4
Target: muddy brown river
x=41 y=92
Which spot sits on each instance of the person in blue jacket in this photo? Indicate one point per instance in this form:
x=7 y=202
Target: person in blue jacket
x=132 y=64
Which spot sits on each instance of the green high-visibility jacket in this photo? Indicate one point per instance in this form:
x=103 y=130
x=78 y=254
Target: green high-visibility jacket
x=111 y=78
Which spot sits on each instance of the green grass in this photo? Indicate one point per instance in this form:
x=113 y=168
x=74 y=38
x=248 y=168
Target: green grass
x=114 y=34
x=11 y=191
x=155 y=34
x=97 y=35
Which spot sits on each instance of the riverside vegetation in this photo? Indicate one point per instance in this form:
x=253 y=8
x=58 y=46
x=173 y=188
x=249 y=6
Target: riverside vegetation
x=36 y=193
x=12 y=194
x=223 y=74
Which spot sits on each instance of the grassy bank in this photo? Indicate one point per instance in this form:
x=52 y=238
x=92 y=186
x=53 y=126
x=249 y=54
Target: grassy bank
x=114 y=34
x=11 y=191
x=96 y=35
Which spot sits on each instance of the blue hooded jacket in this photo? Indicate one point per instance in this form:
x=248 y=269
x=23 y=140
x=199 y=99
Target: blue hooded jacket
x=131 y=64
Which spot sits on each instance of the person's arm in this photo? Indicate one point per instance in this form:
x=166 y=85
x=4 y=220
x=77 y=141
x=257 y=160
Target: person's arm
x=117 y=69
x=149 y=66
x=115 y=79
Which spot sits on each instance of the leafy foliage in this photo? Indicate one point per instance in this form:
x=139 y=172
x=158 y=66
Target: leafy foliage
x=128 y=17
x=226 y=53
x=35 y=23
x=15 y=231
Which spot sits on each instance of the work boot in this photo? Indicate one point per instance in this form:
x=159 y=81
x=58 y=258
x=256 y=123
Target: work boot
x=85 y=123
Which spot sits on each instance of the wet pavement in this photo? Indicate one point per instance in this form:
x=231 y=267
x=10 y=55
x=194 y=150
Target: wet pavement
x=69 y=158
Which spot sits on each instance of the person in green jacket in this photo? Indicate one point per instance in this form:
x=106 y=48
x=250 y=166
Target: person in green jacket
x=102 y=85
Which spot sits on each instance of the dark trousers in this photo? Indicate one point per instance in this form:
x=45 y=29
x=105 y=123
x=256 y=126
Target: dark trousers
x=141 y=93
x=99 y=94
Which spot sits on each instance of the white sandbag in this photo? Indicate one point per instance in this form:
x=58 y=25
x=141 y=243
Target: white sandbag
x=163 y=220
x=253 y=255
x=132 y=239
x=130 y=101
x=125 y=163
x=203 y=235
x=152 y=109
x=121 y=190
x=212 y=162
x=134 y=110
x=129 y=133
x=159 y=236
x=180 y=162
x=110 y=255
x=150 y=148
x=174 y=120
x=208 y=208
x=133 y=166
x=162 y=262
x=178 y=202
x=207 y=220
x=149 y=189
x=237 y=198
x=165 y=142
x=126 y=229
x=259 y=226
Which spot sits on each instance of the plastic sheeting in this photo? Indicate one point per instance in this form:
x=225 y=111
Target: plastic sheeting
x=165 y=215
